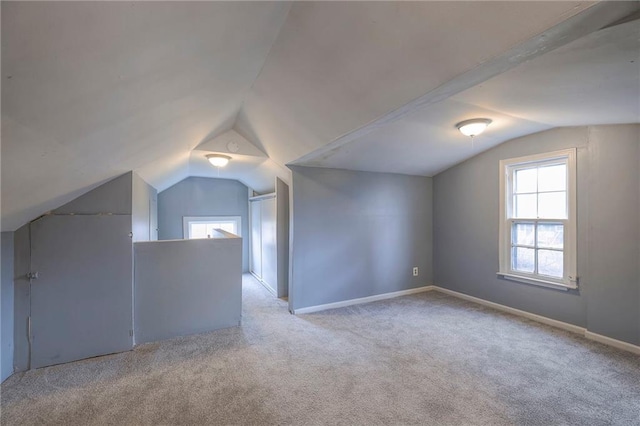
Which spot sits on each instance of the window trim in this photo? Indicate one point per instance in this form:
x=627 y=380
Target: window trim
x=570 y=278
x=186 y=220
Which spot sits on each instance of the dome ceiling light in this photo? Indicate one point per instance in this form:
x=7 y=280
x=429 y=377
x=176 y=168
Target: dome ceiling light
x=473 y=127
x=218 y=160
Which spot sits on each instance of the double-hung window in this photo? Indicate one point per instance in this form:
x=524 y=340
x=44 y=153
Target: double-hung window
x=538 y=219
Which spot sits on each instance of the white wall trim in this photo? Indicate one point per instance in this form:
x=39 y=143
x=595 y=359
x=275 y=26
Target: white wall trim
x=544 y=320
x=612 y=342
x=263 y=197
x=619 y=344
x=539 y=318
x=265 y=285
x=360 y=300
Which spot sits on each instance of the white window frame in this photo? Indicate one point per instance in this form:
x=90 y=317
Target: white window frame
x=187 y=220
x=570 y=278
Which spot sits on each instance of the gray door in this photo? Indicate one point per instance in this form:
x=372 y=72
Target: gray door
x=81 y=302
x=256 y=238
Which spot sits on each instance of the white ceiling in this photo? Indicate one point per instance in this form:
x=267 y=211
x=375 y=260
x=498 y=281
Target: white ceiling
x=94 y=89
x=593 y=80
x=101 y=88
x=337 y=66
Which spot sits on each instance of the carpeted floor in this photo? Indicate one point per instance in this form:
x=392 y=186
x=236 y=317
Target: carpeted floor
x=421 y=359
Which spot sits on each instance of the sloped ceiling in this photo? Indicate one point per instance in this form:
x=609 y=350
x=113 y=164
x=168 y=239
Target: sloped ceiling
x=593 y=80
x=92 y=90
x=336 y=67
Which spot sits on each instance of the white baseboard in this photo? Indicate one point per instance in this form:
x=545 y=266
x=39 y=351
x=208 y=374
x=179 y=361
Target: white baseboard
x=514 y=311
x=367 y=299
x=534 y=317
x=612 y=342
x=544 y=320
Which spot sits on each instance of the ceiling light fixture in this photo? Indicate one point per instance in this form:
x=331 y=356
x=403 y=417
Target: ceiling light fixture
x=473 y=127
x=218 y=160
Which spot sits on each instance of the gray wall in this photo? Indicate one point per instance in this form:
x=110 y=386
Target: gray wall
x=612 y=274
x=144 y=210
x=6 y=306
x=466 y=201
x=186 y=287
x=282 y=237
x=113 y=197
x=198 y=196
x=358 y=234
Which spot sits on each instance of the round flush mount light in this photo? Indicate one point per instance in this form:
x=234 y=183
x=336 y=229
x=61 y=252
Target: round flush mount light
x=473 y=127
x=218 y=160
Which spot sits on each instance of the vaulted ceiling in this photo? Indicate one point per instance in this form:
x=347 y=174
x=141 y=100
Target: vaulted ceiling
x=91 y=90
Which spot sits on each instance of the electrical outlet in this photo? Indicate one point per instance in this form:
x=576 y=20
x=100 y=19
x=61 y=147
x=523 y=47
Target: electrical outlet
x=415 y=271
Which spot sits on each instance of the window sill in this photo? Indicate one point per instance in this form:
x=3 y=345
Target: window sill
x=538 y=282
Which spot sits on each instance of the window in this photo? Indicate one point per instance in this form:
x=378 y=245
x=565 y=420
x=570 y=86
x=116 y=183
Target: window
x=538 y=219
x=204 y=226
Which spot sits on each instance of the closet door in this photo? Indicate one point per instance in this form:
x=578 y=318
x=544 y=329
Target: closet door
x=82 y=300
x=256 y=238
x=269 y=248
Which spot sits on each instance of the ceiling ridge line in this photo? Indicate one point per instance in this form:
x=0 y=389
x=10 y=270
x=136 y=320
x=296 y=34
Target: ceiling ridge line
x=250 y=87
x=266 y=59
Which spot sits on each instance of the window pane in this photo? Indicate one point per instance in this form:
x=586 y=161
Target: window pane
x=525 y=180
x=552 y=205
x=550 y=263
x=207 y=229
x=552 y=178
x=523 y=234
x=198 y=230
x=522 y=259
x=225 y=226
x=525 y=206
x=551 y=235
x=229 y=227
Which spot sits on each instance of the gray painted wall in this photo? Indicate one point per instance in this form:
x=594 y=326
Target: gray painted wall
x=6 y=305
x=113 y=197
x=612 y=275
x=358 y=234
x=186 y=287
x=198 y=196
x=144 y=210
x=466 y=201
x=282 y=237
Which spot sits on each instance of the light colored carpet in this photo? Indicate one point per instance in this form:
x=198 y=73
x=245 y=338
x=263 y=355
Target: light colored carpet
x=421 y=359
